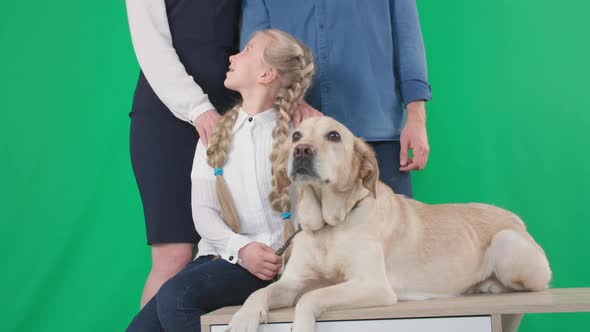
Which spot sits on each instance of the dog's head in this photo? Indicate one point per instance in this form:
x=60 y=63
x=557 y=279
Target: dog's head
x=324 y=152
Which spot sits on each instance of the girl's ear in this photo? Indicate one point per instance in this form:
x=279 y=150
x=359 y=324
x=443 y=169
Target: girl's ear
x=268 y=76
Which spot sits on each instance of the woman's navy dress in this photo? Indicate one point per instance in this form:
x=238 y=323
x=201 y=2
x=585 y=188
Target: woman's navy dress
x=204 y=33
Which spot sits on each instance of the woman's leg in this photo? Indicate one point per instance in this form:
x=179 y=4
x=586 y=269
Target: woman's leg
x=167 y=260
x=202 y=288
x=162 y=148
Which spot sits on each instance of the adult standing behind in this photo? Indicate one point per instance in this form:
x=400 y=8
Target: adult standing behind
x=371 y=68
x=182 y=48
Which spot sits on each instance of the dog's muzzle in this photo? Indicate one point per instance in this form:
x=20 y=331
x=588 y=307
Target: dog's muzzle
x=303 y=163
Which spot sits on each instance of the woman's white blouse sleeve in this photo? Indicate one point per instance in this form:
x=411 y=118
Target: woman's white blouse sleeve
x=152 y=41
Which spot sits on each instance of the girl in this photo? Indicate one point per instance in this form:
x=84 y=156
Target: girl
x=238 y=220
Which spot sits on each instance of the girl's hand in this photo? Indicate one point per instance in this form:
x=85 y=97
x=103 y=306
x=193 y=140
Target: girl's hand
x=260 y=260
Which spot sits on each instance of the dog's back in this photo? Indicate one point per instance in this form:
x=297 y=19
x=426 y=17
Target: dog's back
x=447 y=249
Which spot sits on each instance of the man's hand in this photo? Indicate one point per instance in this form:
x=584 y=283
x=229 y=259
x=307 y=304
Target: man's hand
x=302 y=112
x=260 y=260
x=204 y=124
x=414 y=137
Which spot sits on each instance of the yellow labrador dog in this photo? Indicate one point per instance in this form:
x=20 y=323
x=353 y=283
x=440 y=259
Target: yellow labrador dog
x=362 y=245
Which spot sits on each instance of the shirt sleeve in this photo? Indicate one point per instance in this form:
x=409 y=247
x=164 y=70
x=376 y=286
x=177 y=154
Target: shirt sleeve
x=152 y=42
x=206 y=211
x=254 y=17
x=409 y=53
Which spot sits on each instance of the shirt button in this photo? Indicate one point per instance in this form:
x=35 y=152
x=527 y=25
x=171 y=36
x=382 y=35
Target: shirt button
x=231 y=258
x=250 y=119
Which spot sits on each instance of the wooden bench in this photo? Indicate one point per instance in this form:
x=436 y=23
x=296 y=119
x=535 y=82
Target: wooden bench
x=478 y=313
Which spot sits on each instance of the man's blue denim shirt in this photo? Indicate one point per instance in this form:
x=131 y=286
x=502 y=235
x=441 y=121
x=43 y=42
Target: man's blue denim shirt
x=369 y=56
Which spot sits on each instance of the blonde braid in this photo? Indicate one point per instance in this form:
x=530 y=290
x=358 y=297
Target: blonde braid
x=219 y=144
x=287 y=99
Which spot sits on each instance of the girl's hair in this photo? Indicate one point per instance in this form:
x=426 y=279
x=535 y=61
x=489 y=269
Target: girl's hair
x=294 y=64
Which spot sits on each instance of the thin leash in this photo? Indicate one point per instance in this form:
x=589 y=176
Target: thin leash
x=284 y=247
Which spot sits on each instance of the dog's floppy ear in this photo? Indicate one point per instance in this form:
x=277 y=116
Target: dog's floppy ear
x=369 y=169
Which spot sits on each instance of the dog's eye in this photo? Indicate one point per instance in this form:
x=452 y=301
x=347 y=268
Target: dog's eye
x=333 y=136
x=296 y=136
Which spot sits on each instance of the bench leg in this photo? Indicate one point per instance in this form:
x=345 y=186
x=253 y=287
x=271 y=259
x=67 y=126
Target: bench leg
x=496 y=323
x=511 y=322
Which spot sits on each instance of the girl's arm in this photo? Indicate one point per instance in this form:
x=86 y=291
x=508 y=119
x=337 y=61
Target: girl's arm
x=207 y=213
x=152 y=41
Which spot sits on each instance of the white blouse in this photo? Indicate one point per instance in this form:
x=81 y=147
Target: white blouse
x=247 y=173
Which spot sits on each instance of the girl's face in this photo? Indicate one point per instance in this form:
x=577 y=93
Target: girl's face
x=247 y=68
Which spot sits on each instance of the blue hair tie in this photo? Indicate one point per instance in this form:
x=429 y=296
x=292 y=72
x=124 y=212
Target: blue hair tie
x=218 y=171
x=286 y=215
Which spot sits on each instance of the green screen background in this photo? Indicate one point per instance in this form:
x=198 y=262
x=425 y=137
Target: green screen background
x=508 y=126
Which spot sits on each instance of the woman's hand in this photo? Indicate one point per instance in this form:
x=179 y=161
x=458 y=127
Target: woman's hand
x=204 y=124
x=260 y=260
x=302 y=112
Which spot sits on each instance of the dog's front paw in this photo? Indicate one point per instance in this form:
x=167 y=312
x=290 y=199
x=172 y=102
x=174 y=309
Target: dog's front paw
x=246 y=320
x=304 y=320
x=249 y=316
x=303 y=325
x=254 y=311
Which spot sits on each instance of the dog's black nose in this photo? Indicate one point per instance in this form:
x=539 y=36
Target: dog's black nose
x=304 y=151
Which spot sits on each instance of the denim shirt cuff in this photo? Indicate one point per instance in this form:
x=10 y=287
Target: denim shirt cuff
x=413 y=90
